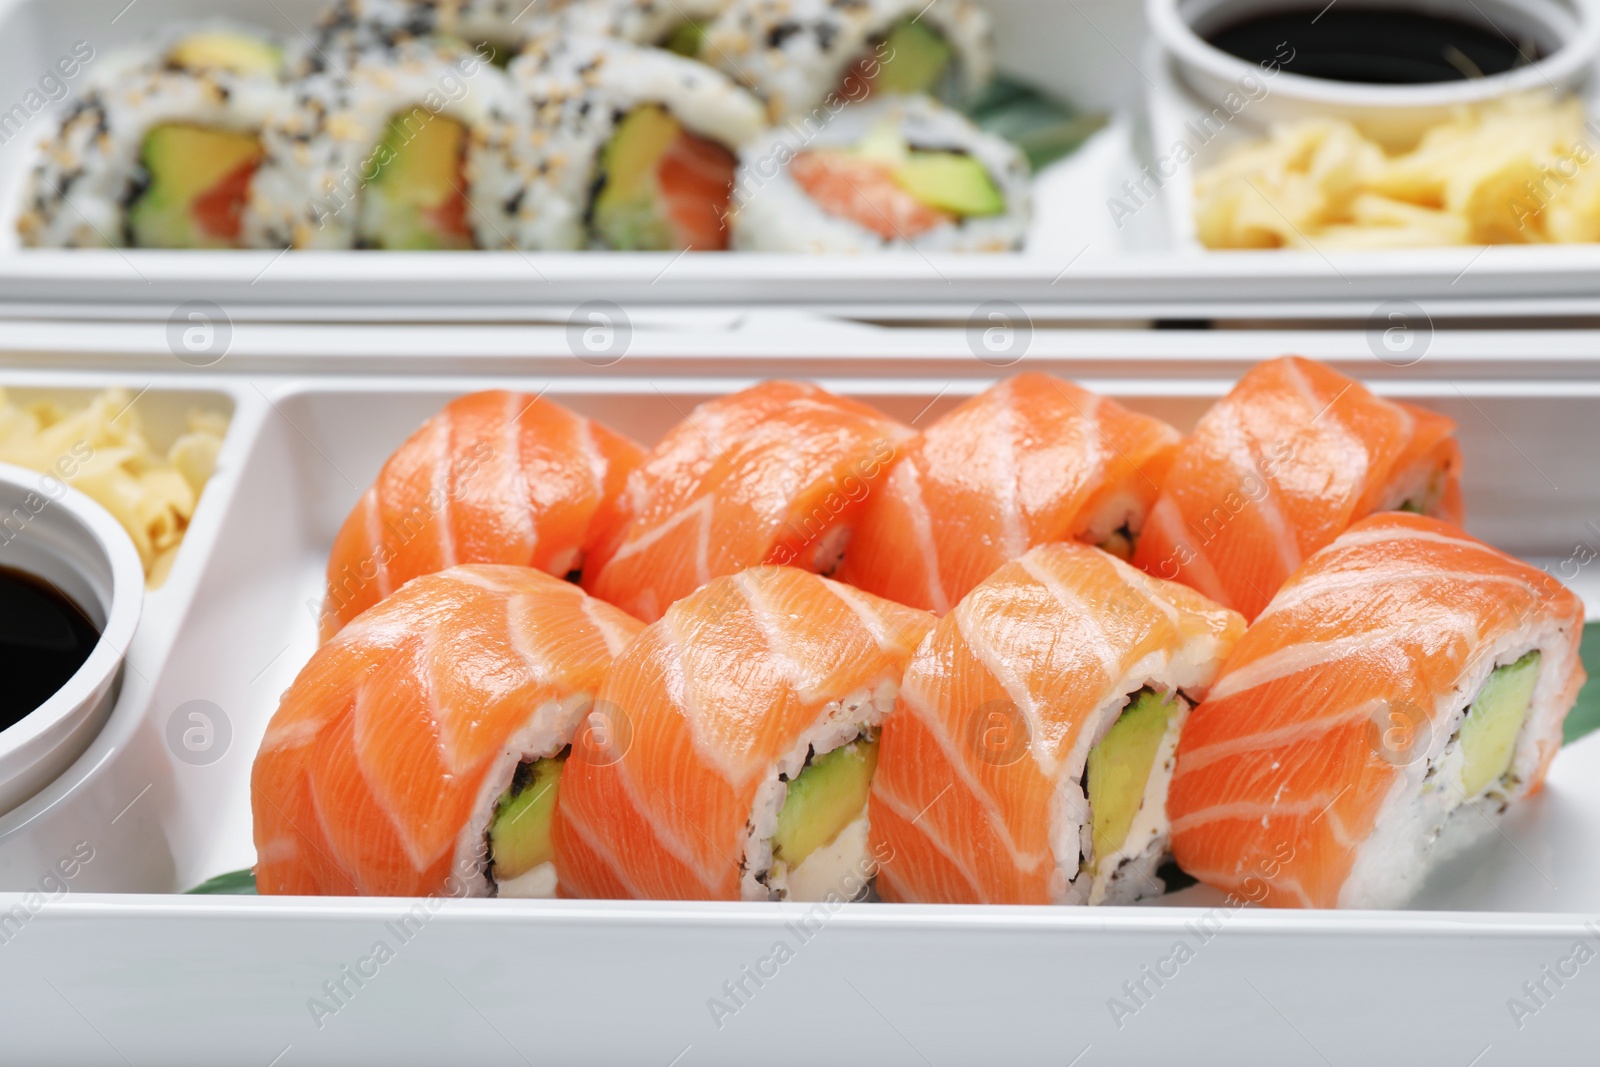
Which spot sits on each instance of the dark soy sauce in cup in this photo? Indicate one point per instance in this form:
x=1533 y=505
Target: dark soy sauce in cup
x=44 y=639
x=1374 y=45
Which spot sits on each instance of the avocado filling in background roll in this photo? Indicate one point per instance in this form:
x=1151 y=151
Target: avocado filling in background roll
x=662 y=188
x=893 y=189
x=519 y=834
x=910 y=58
x=1125 y=781
x=821 y=833
x=198 y=182
x=416 y=199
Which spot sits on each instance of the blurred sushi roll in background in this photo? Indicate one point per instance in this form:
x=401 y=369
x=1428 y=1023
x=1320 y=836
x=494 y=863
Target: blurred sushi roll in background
x=406 y=149
x=420 y=752
x=1028 y=757
x=1030 y=460
x=1405 y=687
x=628 y=125
x=776 y=473
x=631 y=147
x=739 y=744
x=678 y=26
x=164 y=148
x=795 y=54
x=352 y=29
x=893 y=172
x=1279 y=467
x=496 y=477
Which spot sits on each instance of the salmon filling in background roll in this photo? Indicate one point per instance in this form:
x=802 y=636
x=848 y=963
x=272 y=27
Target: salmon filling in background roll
x=419 y=752
x=1029 y=461
x=734 y=744
x=496 y=477
x=1280 y=467
x=1028 y=755
x=774 y=474
x=1405 y=686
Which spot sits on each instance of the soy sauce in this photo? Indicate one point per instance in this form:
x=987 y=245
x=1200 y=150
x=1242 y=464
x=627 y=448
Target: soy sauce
x=1376 y=46
x=44 y=639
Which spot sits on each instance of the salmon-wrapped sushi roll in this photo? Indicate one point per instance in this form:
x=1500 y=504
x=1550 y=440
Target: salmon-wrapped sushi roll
x=734 y=744
x=419 y=752
x=774 y=474
x=1280 y=467
x=1031 y=460
x=1028 y=755
x=496 y=477
x=1405 y=687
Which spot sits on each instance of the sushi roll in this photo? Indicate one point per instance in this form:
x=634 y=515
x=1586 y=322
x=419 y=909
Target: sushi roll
x=1280 y=467
x=1028 y=756
x=420 y=752
x=496 y=477
x=162 y=149
x=801 y=56
x=495 y=29
x=774 y=474
x=678 y=26
x=735 y=742
x=632 y=148
x=401 y=149
x=1404 y=688
x=894 y=172
x=1030 y=460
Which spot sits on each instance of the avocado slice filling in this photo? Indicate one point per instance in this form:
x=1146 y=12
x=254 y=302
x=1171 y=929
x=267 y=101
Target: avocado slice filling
x=415 y=195
x=224 y=50
x=828 y=794
x=911 y=58
x=686 y=38
x=199 y=179
x=948 y=181
x=519 y=833
x=1119 y=768
x=1489 y=733
x=661 y=188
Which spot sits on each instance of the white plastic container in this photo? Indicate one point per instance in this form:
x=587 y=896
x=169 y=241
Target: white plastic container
x=1086 y=258
x=1567 y=31
x=90 y=976
x=58 y=534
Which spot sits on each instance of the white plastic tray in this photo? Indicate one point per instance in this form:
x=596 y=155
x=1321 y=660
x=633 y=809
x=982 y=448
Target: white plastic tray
x=88 y=975
x=1078 y=263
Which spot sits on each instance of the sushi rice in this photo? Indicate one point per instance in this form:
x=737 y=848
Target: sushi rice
x=322 y=154
x=351 y=30
x=794 y=53
x=773 y=213
x=580 y=88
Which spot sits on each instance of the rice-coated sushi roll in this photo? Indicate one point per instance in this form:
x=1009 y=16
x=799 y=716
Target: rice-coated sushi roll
x=1405 y=687
x=1029 y=753
x=894 y=172
x=1282 y=465
x=774 y=474
x=631 y=148
x=420 y=752
x=496 y=29
x=1030 y=460
x=162 y=149
x=401 y=149
x=496 y=477
x=797 y=54
x=734 y=744
x=678 y=26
